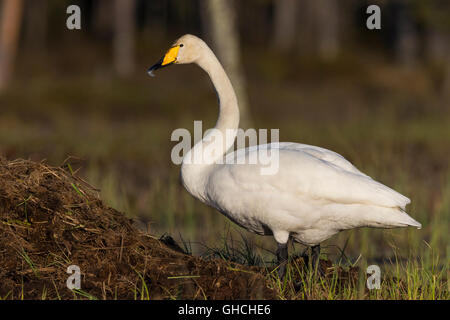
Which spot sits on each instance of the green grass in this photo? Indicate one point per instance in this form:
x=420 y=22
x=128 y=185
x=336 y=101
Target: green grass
x=30 y=262
x=410 y=280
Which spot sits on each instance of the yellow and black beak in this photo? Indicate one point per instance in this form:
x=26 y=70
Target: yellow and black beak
x=169 y=58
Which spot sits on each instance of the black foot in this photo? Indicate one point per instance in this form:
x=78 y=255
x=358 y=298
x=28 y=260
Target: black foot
x=282 y=257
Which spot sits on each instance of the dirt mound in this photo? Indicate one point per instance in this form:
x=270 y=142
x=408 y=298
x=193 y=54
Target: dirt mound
x=51 y=219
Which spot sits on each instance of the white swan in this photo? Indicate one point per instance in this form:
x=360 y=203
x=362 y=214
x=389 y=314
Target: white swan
x=315 y=194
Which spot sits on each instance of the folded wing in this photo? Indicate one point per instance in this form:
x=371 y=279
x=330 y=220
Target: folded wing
x=317 y=173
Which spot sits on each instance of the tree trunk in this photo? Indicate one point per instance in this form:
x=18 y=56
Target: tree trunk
x=11 y=17
x=285 y=24
x=103 y=18
x=306 y=27
x=438 y=45
x=438 y=53
x=221 y=18
x=36 y=14
x=327 y=27
x=318 y=28
x=124 y=32
x=406 y=41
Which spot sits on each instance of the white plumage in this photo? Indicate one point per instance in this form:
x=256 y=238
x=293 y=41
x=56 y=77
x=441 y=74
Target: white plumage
x=315 y=194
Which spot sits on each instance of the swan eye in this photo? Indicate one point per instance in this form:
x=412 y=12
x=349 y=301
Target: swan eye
x=181 y=45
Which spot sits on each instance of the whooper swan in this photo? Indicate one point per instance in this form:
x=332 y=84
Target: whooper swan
x=314 y=194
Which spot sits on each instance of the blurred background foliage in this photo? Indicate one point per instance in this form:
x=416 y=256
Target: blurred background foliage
x=308 y=67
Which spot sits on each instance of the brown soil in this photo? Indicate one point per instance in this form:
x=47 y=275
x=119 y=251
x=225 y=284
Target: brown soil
x=50 y=219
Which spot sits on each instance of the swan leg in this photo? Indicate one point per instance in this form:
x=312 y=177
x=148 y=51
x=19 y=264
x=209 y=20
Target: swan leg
x=315 y=261
x=282 y=257
x=315 y=252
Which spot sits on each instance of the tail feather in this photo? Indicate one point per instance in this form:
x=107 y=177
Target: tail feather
x=384 y=217
x=410 y=221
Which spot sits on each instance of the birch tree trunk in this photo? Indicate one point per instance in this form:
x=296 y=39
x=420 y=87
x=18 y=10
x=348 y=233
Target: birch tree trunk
x=221 y=19
x=124 y=32
x=11 y=18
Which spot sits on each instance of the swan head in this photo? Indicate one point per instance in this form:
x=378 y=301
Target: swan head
x=186 y=49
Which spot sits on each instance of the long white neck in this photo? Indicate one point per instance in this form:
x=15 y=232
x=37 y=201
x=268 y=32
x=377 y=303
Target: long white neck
x=198 y=162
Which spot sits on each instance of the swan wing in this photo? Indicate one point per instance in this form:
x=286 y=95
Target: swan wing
x=317 y=152
x=323 y=154
x=313 y=172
